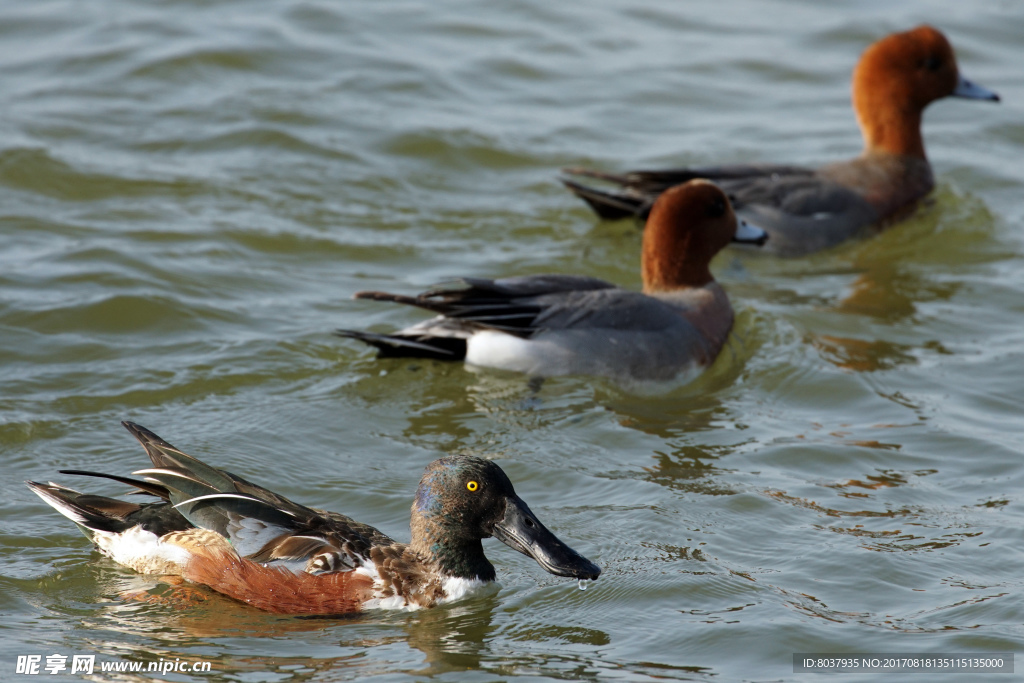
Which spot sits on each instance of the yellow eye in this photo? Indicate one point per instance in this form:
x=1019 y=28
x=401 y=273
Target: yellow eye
x=472 y=485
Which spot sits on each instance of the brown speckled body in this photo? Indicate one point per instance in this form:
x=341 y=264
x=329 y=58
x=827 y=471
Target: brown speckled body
x=216 y=529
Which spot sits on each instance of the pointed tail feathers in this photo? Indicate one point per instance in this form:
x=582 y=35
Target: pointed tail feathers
x=91 y=513
x=610 y=205
x=398 y=346
x=166 y=456
x=142 y=486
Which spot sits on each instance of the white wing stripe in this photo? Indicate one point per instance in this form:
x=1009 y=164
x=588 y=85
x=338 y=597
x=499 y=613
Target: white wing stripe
x=171 y=473
x=228 y=495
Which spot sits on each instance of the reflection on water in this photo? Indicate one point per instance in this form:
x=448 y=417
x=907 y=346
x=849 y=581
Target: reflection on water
x=835 y=512
x=859 y=355
x=179 y=622
x=453 y=638
x=890 y=294
x=689 y=469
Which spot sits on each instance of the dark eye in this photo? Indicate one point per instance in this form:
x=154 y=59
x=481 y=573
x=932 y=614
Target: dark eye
x=932 y=63
x=717 y=208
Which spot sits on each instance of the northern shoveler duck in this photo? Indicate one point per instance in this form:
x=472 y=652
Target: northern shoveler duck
x=547 y=325
x=217 y=529
x=806 y=210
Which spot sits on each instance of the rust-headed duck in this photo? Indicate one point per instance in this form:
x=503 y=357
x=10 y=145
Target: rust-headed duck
x=805 y=210
x=547 y=325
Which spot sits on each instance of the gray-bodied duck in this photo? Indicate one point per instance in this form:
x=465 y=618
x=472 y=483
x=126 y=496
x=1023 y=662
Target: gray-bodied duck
x=549 y=325
x=805 y=209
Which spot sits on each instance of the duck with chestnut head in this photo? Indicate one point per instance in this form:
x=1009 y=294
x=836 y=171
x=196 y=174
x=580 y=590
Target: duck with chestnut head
x=550 y=325
x=804 y=209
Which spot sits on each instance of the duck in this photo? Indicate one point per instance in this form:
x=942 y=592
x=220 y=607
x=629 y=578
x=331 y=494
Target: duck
x=552 y=325
x=216 y=529
x=806 y=210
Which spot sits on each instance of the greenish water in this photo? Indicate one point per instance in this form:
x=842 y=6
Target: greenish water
x=191 y=192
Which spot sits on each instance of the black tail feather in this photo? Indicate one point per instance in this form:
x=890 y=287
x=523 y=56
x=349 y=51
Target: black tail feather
x=584 y=172
x=480 y=302
x=147 y=487
x=430 y=301
x=397 y=346
x=96 y=513
x=146 y=437
x=609 y=205
x=420 y=300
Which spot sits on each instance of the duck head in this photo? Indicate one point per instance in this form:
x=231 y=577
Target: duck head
x=687 y=226
x=464 y=499
x=896 y=78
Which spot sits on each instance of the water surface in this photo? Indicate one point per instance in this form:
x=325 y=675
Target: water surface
x=192 y=191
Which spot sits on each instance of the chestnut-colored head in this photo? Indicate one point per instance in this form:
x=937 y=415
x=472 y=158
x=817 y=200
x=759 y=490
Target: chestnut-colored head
x=687 y=226
x=895 y=79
